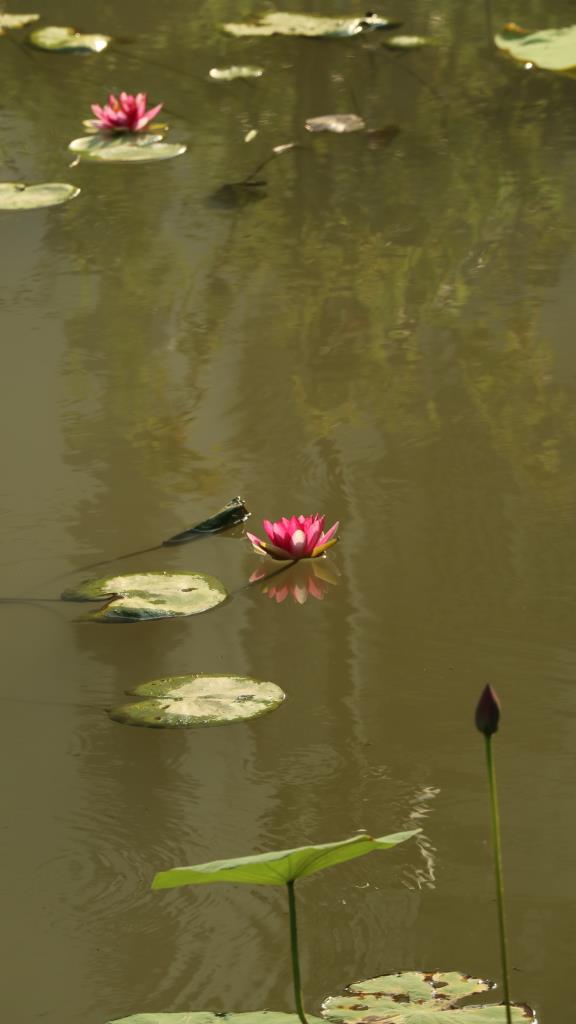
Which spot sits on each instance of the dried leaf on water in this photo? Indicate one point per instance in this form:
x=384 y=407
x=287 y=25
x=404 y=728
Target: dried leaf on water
x=552 y=49
x=125 y=148
x=149 y=595
x=181 y=702
x=11 y=21
x=282 y=23
x=338 y=123
x=15 y=195
x=415 y=997
x=233 y=513
x=65 y=39
x=236 y=71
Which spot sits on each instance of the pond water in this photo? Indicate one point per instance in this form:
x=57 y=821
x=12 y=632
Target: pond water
x=384 y=333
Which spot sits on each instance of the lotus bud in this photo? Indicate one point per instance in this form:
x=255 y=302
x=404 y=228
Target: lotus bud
x=488 y=712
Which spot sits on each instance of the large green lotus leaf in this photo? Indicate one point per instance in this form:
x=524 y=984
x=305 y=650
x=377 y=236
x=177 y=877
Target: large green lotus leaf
x=414 y=997
x=149 y=595
x=15 y=195
x=282 y=23
x=553 y=49
x=279 y=867
x=8 y=21
x=64 y=39
x=125 y=148
x=205 y=1017
x=184 y=701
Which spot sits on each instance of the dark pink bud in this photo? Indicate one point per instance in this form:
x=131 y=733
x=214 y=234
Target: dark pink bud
x=488 y=712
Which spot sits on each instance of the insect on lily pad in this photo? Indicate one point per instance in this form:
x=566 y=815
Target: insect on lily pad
x=198 y=700
x=65 y=39
x=125 y=149
x=15 y=195
x=149 y=595
x=337 y=123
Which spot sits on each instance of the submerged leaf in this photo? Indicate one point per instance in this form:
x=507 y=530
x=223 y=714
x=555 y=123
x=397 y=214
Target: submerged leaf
x=64 y=39
x=338 y=123
x=279 y=867
x=8 y=21
x=282 y=23
x=236 y=71
x=183 y=701
x=237 y=194
x=206 y=1017
x=553 y=49
x=125 y=148
x=149 y=595
x=414 y=997
x=15 y=195
x=233 y=513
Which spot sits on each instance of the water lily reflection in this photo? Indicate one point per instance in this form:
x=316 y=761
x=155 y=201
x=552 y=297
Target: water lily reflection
x=301 y=581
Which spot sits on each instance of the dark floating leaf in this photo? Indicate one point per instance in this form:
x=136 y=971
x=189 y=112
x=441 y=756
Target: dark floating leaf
x=15 y=195
x=380 y=138
x=64 y=39
x=553 y=49
x=125 y=149
x=198 y=700
x=149 y=595
x=415 y=997
x=237 y=194
x=233 y=513
x=282 y=23
x=338 y=123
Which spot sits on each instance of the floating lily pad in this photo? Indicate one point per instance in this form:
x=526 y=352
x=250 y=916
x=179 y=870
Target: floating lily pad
x=15 y=195
x=413 y=997
x=149 y=595
x=279 y=867
x=236 y=71
x=553 y=49
x=8 y=21
x=338 y=123
x=233 y=513
x=282 y=23
x=206 y=1017
x=125 y=148
x=64 y=39
x=184 y=701
x=406 y=42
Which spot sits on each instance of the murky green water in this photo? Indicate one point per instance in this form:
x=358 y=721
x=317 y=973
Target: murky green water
x=387 y=337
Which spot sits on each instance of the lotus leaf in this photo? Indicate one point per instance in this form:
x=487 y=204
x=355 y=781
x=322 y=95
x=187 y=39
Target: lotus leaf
x=125 y=149
x=279 y=867
x=553 y=49
x=15 y=195
x=184 y=701
x=282 y=23
x=233 y=513
x=64 y=39
x=149 y=595
x=414 y=997
x=338 y=123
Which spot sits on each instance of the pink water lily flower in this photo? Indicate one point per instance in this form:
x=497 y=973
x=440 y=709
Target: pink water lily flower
x=126 y=113
x=298 y=537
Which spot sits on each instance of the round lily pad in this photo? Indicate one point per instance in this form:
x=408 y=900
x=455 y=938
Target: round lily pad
x=149 y=595
x=283 y=23
x=15 y=195
x=553 y=49
x=338 y=123
x=416 y=997
x=183 y=701
x=236 y=71
x=125 y=148
x=64 y=39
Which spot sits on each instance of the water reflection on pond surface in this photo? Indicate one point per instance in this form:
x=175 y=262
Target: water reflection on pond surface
x=385 y=336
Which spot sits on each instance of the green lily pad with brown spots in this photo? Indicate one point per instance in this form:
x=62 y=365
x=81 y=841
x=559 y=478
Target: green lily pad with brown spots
x=184 y=701
x=149 y=595
x=415 y=997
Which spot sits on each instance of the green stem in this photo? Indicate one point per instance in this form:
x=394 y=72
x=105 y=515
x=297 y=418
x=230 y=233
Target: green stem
x=498 y=872
x=294 y=953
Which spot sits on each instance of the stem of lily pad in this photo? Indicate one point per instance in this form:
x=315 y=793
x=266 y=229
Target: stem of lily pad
x=294 y=953
x=498 y=872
